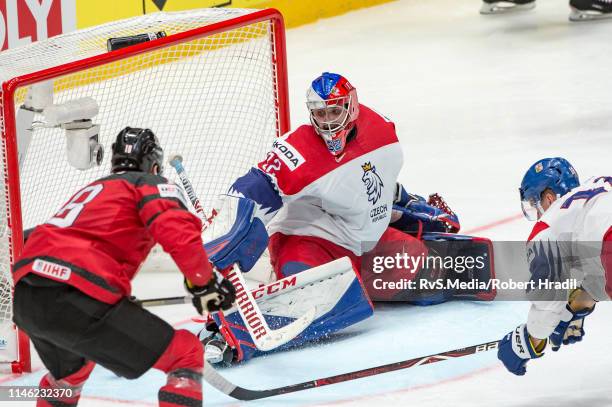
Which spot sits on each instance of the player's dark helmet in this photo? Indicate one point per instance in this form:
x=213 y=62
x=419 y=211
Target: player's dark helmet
x=137 y=150
x=556 y=174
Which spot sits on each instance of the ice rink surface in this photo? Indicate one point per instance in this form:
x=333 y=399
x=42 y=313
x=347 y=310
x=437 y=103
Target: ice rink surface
x=476 y=100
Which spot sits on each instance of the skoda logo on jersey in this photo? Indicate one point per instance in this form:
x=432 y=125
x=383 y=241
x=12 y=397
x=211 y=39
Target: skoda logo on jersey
x=372 y=181
x=288 y=154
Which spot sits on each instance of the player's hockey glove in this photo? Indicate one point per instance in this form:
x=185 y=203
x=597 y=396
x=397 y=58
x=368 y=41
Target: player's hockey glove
x=570 y=329
x=218 y=294
x=516 y=349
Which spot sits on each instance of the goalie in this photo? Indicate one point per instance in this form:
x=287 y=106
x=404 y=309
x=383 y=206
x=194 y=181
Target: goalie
x=325 y=191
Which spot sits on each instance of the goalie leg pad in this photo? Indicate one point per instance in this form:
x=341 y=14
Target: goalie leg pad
x=340 y=301
x=440 y=268
x=480 y=249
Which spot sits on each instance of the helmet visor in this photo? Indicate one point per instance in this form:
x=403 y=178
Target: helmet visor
x=532 y=208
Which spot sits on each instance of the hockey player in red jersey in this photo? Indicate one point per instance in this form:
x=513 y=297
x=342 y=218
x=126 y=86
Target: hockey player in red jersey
x=72 y=281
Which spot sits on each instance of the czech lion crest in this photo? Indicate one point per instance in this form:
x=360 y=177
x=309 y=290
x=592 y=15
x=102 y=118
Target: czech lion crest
x=372 y=181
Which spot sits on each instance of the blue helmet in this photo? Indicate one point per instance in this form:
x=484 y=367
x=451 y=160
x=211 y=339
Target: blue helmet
x=554 y=173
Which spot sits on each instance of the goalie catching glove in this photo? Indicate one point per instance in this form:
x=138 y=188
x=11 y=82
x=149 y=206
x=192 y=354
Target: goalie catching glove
x=219 y=294
x=412 y=214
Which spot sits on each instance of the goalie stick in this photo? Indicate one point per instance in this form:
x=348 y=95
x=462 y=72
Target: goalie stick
x=241 y=393
x=263 y=336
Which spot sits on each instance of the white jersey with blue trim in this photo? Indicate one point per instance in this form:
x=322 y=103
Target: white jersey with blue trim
x=346 y=200
x=567 y=241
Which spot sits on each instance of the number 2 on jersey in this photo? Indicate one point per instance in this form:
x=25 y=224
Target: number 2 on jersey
x=69 y=213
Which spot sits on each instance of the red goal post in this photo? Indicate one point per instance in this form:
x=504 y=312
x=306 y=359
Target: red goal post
x=214 y=90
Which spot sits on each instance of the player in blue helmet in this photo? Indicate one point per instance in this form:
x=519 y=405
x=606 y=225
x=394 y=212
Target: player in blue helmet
x=544 y=182
x=570 y=243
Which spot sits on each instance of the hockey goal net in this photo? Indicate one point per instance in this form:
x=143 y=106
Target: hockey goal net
x=214 y=89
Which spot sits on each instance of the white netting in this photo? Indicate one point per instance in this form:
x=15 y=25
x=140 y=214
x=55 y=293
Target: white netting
x=213 y=100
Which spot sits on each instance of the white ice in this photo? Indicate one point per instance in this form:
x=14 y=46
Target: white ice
x=475 y=100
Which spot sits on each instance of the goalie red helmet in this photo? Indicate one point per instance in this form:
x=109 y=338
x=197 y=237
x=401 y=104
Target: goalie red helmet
x=332 y=102
x=137 y=150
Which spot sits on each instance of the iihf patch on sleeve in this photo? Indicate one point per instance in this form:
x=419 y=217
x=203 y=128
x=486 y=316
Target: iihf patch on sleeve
x=51 y=269
x=288 y=154
x=172 y=191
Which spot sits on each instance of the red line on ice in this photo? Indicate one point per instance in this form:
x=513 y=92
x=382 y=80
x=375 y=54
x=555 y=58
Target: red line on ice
x=16 y=376
x=120 y=401
x=494 y=224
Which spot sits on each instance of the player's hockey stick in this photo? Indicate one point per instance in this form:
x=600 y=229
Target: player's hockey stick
x=263 y=336
x=154 y=302
x=240 y=393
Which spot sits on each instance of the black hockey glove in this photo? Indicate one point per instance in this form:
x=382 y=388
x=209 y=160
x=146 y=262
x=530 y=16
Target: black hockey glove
x=218 y=294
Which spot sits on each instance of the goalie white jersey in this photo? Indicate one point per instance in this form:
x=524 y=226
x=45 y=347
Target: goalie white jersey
x=346 y=200
x=573 y=238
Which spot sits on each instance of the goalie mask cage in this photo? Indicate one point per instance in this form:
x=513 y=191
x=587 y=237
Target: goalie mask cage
x=213 y=90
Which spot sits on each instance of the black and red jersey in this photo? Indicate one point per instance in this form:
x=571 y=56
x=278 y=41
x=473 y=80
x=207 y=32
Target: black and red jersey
x=101 y=236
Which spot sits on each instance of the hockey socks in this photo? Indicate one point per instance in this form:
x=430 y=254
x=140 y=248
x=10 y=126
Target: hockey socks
x=68 y=389
x=183 y=361
x=183 y=389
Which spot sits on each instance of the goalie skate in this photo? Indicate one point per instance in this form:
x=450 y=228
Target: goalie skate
x=506 y=6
